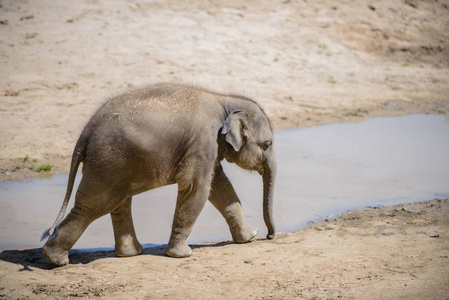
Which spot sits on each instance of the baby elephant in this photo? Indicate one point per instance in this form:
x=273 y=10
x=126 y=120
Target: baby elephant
x=159 y=135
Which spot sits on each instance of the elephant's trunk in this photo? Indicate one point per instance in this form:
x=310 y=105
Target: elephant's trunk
x=269 y=178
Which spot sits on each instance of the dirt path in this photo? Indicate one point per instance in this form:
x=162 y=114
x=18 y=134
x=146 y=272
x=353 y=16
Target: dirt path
x=398 y=252
x=306 y=62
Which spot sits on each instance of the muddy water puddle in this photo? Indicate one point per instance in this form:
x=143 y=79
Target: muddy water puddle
x=322 y=171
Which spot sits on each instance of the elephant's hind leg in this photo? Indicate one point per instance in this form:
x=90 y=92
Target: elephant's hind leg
x=225 y=199
x=57 y=250
x=92 y=201
x=126 y=243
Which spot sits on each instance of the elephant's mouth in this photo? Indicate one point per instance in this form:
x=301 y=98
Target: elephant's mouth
x=230 y=160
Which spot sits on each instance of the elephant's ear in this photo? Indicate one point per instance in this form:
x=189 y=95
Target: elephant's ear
x=235 y=129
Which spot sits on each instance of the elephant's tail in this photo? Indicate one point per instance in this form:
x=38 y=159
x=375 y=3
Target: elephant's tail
x=77 y=158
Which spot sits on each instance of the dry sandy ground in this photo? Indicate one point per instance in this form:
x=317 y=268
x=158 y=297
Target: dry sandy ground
x=306 y=62
x=399 y=252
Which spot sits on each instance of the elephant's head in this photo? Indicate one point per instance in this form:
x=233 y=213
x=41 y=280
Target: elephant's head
x=247 y=140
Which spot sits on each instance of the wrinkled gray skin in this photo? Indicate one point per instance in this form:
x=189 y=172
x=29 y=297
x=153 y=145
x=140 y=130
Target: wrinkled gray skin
x=159 y=135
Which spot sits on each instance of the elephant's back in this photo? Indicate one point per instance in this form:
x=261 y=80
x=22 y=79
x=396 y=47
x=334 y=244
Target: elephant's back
x=168 y=99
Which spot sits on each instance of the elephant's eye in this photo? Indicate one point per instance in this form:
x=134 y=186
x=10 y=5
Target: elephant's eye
x=266 y=145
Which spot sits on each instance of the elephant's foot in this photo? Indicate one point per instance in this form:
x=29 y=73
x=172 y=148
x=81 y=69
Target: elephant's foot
x=179 y=250
x=57 y=256
x=244 y=233
x=128 y=247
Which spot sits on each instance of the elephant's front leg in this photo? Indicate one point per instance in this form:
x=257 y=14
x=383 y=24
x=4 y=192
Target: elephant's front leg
x=126 y=243
x=192 y=195
x=225 y=199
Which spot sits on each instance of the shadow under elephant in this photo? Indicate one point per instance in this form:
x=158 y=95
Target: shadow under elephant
x=33 y=257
